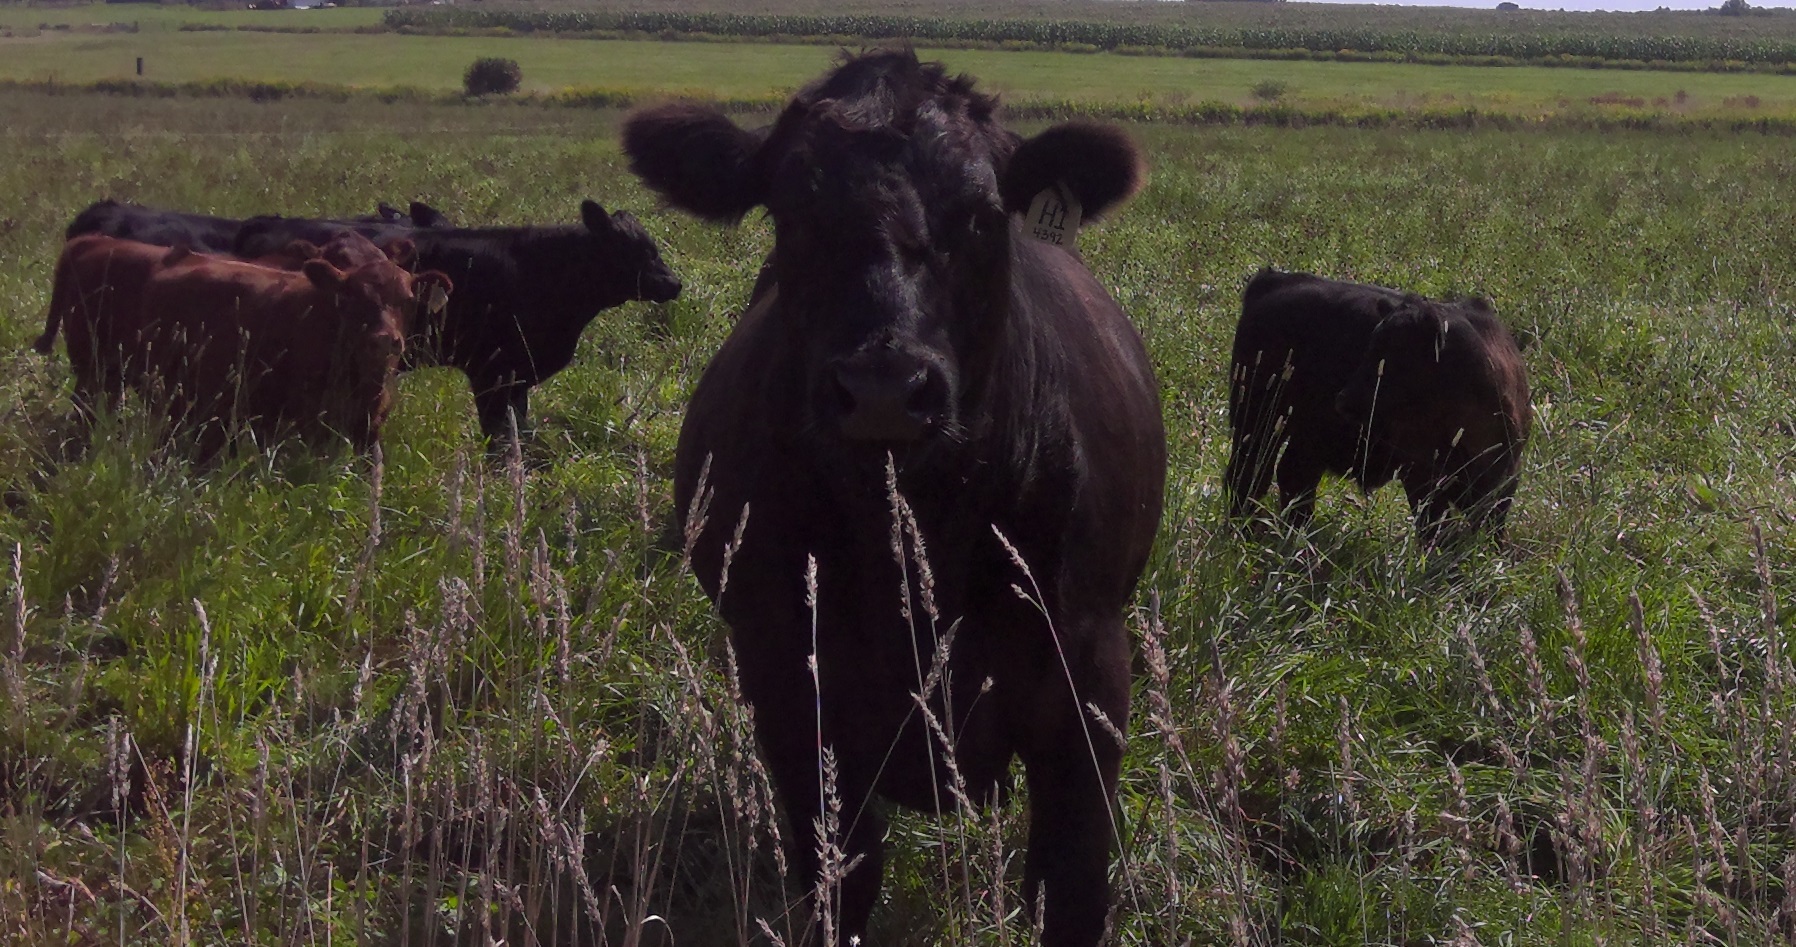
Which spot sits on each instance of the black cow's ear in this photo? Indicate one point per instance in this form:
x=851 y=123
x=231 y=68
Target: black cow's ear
x=322 y=274
x=424 y=215
x=696 y=158
x=1099 y=164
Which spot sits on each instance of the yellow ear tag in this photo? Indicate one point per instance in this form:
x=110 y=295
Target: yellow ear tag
x=1053 y=217
x=439 y=297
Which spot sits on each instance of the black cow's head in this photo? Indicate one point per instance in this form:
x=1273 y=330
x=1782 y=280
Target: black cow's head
x=894 y=194
x=1421 y=358
x=625 y=252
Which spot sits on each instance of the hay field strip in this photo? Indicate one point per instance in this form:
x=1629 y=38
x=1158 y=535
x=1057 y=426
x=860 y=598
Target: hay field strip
x=748 y=70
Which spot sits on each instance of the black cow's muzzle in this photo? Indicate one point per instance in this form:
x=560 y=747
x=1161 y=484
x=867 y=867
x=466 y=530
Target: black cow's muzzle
x=1354 y=405
x=662 y=289
x=886 y=395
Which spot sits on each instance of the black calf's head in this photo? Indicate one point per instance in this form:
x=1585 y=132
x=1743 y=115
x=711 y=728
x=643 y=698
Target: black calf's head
x=892 y=190
x=1422 y=356
x=620 y=248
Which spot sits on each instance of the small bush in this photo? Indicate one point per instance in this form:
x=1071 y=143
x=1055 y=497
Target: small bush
x=1269 y=90
x=492 y=75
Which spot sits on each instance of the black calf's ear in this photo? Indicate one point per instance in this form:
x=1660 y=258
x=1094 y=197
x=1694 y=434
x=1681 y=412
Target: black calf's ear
x=696 y=158
x=593 y=215
x=1099 y=164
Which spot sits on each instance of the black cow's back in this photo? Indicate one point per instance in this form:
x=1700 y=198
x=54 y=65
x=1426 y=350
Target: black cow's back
x=165 y=228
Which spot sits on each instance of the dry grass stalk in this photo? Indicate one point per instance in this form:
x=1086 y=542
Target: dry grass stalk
x=370 y=545
x=15 y=649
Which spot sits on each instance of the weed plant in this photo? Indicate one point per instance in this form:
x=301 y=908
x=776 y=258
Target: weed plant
x=423 y=697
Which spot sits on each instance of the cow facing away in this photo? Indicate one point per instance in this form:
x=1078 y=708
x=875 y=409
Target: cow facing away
x=523 y=295
x=1377 y=385
x=216 y=343
x=96 y=303
x=912 y=326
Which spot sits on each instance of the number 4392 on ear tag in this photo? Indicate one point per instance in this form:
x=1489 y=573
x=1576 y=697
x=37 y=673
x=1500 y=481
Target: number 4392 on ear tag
x=1054 y=217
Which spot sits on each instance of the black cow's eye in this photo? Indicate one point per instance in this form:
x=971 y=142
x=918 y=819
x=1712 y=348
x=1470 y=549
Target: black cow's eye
x=981 y=221
x=912 y=250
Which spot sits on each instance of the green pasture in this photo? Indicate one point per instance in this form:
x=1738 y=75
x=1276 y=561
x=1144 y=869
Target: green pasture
x=291 y=700
x=750 y=70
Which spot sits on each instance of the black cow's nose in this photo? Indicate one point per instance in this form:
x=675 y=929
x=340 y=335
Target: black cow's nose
x=888 y=399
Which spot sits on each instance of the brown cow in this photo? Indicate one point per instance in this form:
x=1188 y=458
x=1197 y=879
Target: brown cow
x=219 y=342
x=912 y=324
x=1377 y=385
x=96 y=300
x=345 y=250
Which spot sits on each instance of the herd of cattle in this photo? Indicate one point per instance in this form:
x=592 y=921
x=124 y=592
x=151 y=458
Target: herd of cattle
x=295 y=326
x=914 y=369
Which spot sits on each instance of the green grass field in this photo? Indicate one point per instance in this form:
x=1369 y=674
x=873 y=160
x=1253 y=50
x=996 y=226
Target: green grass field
x=750 y=70
x=288 y=701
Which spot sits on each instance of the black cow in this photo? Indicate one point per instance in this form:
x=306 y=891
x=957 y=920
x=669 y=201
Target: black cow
x=911 y=321
x=522 y=295
x=1375 y=384
x=163 y=228
x=169 y=228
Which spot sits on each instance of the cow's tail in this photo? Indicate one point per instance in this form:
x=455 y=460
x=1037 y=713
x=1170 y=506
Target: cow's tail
x=59 y=300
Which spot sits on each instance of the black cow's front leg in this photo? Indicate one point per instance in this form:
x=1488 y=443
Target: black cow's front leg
x=1430 y=503
x=1299 y=474
x=1072 y=763
x=836 y=856
x=504 y=412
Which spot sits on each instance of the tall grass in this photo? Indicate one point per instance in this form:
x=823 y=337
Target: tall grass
x=421 y=696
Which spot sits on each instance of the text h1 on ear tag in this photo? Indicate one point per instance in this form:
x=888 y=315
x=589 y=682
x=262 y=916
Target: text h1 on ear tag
x=1054 y=217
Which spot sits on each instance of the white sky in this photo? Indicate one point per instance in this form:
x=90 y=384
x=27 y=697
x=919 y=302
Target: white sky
x=1627 y=5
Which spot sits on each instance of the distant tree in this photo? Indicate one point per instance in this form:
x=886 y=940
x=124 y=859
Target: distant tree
x=1734 y=8
x=1509 y=5
x=1269 y=90
x=492 y=75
